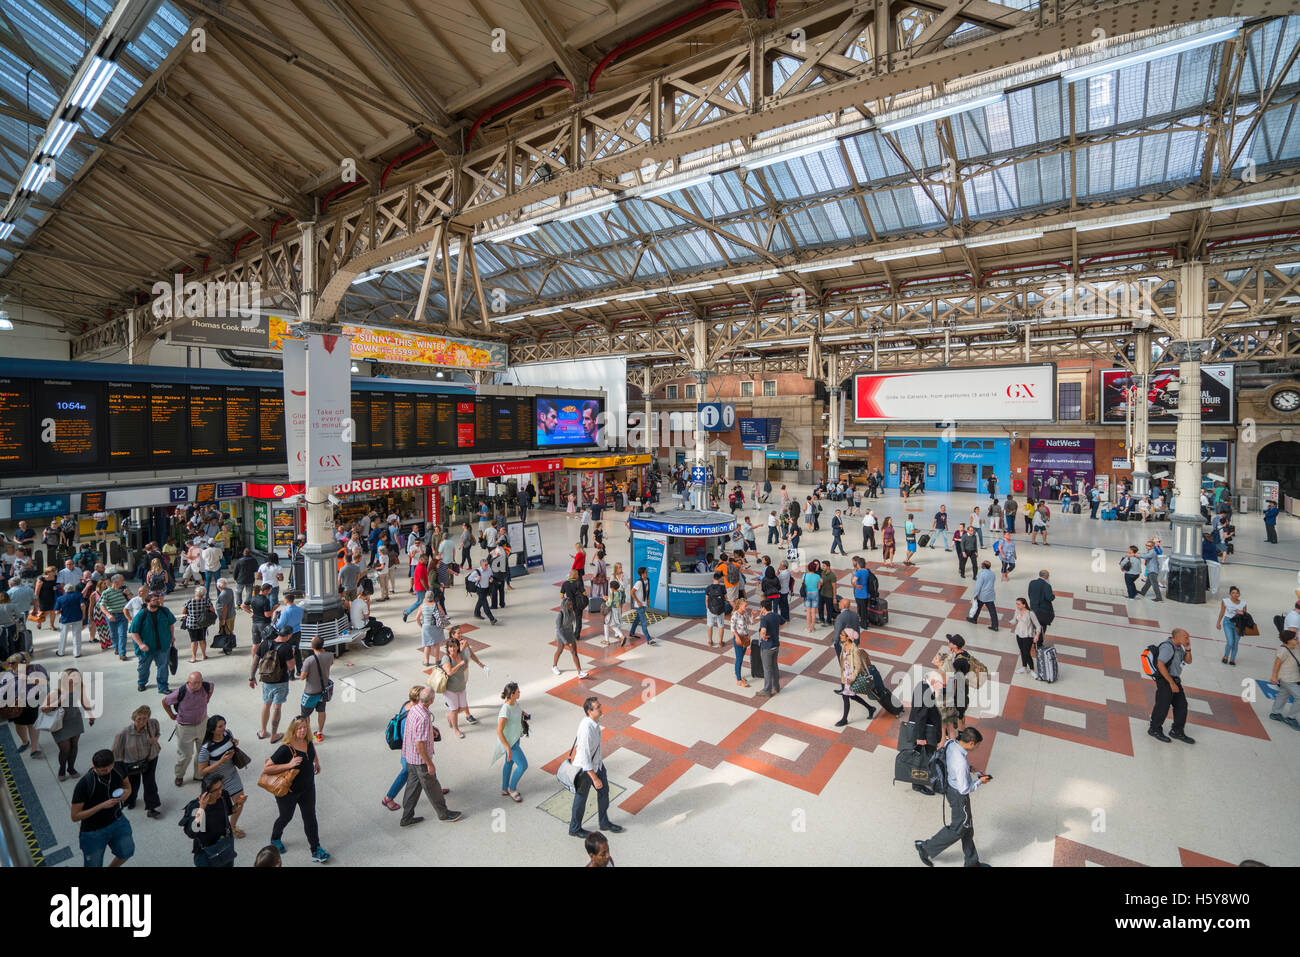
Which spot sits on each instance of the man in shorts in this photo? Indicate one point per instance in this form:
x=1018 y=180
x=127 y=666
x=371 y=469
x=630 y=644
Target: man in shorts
x=715 y=607
x=275 y=681
x=97 y=806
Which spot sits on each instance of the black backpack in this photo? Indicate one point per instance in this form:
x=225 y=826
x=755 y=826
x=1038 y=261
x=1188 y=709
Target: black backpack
x=937 y=767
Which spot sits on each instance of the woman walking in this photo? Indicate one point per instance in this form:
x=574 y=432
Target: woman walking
x=399 y=782
x=455 y=661
x=70 y=696
x=47 y=591
x=432 y=625
x=599 y=575
x=977 y=524
x=853 y=661
x=420 y=582
x=613 y=619
x=887 y=542
x=995 y=518
x=1025 y=625
x=156 y=579
x=209 y=822
x=196 y=623
x=1231 y=610
x=297 y=753
x=217 y=756
x=136 y=749
x=30 y=688
x=510 y=731
x=810 y=590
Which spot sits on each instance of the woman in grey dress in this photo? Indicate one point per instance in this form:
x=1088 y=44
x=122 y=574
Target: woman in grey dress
x=217 y=755
x=69 y=694
x=432 y=623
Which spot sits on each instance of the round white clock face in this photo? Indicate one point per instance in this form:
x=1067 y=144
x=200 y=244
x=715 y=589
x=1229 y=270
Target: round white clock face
x=1286 y=400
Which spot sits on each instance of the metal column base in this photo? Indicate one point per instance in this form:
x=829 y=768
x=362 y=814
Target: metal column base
x=1188 y=580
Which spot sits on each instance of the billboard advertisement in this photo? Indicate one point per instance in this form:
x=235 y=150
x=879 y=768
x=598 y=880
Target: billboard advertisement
x=566 y=421
x=1217 y=401
x=1020 y=393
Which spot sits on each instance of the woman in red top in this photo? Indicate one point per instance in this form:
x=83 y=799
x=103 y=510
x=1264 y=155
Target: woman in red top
x=580 y=560
x=420 y=582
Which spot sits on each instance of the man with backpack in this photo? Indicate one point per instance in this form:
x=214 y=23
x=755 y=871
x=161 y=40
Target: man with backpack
x=715 y=606
x=951 y=774
x=190 y=704
x=271 y=664
x=481 y=579
x=1169 y=657
x=151 y=632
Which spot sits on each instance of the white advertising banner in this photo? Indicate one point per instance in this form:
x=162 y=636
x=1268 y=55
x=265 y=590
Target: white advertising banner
x=1022 y=393
x=329 y=411
x=294 y=361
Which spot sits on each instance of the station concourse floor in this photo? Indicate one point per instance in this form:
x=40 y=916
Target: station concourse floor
x=705 y=773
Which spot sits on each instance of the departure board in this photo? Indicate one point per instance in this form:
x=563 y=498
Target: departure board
x=361 y=423
x=483 y=439
x=270 y=424
x=15 y=426
x=424 y=423
x=207 y=422
x=465 y=425
x=404 y=440
x=444 y=424
x=503 y=421
x=241 y=422
x=523 y=438
x=128 y=424
x=67 y=423
x=169 y=420
x=381 y=424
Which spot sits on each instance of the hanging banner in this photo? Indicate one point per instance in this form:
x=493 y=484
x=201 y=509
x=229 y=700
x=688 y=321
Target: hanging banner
x=1020 y=393
x=262 y=526
x=405 y=346
x=295 y=407
x=1162 y=401
x=329 y=411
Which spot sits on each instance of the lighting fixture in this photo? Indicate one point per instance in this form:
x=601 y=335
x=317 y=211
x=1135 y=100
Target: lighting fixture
x=1003 y=238
x=6 y=229
x=659 y=189
x=781 y=157
x=366 y=277
x=511 y=232
x=550 y=311
x=93 y=83
x=905 y=254
x=690 y=287
x=6 y=324
x=1229 y=203
x=1141 y=56
x=1115 y=222
x=937 y=113
x=505 y=319
x=828 y=264
x=583 y=212
x=58 y=137
x=751 y=277
x=36 y=176
x=355 y=370
x=636 y=295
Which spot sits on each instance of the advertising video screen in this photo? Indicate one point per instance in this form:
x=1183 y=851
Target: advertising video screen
x=1162 y=400
x=565 y=421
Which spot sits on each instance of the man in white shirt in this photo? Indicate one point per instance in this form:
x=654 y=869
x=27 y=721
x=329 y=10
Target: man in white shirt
x=212 y=556
x=868 y=530
x=772 y=524
x=69 y=574
x=270 y=573
x=590 y=765
x=962 y=782
x=1292 y=620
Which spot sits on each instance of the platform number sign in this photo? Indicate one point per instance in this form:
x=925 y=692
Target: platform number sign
x=716 y=416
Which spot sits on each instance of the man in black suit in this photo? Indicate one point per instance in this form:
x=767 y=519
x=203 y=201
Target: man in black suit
x=1041 y=597
x=925 y=715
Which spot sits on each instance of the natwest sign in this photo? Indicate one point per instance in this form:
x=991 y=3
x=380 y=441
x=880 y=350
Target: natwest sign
x=1039 y=444
x=497 y=469
x=388 y=483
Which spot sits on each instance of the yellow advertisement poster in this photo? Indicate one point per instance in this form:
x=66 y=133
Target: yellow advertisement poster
x=412 y=348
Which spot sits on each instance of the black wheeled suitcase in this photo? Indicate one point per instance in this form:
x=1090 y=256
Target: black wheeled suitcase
x=877 y=612
x=1046 y=667
x=224 y=643
x=923 y=541
x=755 y=660
x=1074 y=507
x=880 y=694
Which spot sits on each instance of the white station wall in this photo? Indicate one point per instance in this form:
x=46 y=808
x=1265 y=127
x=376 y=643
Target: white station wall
x=603 y=375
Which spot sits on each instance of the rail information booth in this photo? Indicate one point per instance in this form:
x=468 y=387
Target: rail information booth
x=672 y=546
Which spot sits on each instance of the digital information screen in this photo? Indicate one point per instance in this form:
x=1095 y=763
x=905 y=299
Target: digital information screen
x=207 y=423
x=381 y=424
x=72 y=411
x=92 y=501
x=444 y=424
x=169 y=418
x=503 y=421
x=563 y=421
x=361 y=424
x=424 y=423
x=484 y=441
x=241 y=422
x=128 y=423
x=270 y=423
x=15 y=426
x=465 y=425
x=523 y=438
x=404 y=439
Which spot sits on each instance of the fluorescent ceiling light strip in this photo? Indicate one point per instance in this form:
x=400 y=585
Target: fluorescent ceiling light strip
x=37 y=173
x=1003 y=238
x=505 y=319
x=691 y=287
x=751 y=277
x=782 y=156
x=821 y=267
x=584 y=212
x=93 y=83
x=906 y=254
x=937 y=113
x=6 y=325
x=1228 y=202
x=1115 y=223
x=1152 y=53
x=659 y=189
x=58 y=138
x=637 y=295
x=511 y=232
x=550 y=311
x=5 y=230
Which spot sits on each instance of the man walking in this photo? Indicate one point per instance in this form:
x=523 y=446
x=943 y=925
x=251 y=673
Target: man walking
x=967 y=550
x=97 y=806
x=1175 y=651
x=271 y=663
x=590 y=767
x=188 y=707
x=772 y=525
x=482 y=580
x=1041 y=598
x=826 y=595
x=640 y=605
x=1270 y=523
x=984 y=596
x=962 y=782
x=212 y=556
x=417 y=751
x=1152 y=559
x=939 y=529
x=151 y=632
x=837 y=532
x=868 y=530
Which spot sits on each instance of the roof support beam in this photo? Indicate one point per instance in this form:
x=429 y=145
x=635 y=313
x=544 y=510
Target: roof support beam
x=572 y=64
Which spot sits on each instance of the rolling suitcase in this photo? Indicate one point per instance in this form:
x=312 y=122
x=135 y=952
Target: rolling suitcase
x=877 y=692
x=755 y=661
x=1045 y=664
x=1074 y=507
x=877 y=612
x=923 y=541
x=597 y=606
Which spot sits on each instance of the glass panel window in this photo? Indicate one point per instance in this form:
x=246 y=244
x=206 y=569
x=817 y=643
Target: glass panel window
x=746 y=390
x=769 y=387
x=1069 y=401
x=670 y=392
x=690 y=391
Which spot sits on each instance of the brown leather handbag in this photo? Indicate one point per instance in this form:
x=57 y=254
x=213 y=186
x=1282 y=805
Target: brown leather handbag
x=277 y=784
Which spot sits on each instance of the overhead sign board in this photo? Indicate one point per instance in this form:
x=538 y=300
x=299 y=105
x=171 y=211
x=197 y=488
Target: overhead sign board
x=716 y=416
x=1217 y=398
x=1019 y=393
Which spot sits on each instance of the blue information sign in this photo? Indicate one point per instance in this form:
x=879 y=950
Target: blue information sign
x=716 y=416
x=39 y=506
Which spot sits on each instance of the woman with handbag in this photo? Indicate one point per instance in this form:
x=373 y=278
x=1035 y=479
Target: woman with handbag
x=600 y=575
x=47 y=592
x=855 y=670
x=290 y=775
x=30 y=684
x=1024 y=623
x=136 y=749
x=1232 y=617
x=65 y=721
x=512 y=725
x=209 y=821
x=199 y=616
x=432 y=625
x=742 y=623
x=220 y=754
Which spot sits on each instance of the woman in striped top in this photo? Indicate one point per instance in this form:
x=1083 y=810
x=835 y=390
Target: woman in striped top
x=742 y=622
x=196 y=610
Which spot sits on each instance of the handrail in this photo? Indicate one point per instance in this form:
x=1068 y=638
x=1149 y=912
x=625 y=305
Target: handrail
x=13 y=846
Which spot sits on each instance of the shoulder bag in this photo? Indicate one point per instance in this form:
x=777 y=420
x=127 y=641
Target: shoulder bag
x=278 y=784
x=567 y=774
x=51 y=721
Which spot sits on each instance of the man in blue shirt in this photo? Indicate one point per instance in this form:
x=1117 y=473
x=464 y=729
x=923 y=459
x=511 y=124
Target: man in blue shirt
x=1270 y=523
x=769 y=648
x=861 y=586
x=962 y=782
x=939 y=529
x=1094 y=500
x=290 y=615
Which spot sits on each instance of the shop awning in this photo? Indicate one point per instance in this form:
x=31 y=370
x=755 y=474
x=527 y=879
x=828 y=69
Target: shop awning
x=606 y=461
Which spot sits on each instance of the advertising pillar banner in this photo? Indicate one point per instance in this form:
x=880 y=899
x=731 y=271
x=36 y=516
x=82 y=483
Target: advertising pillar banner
x=329 y=408
x=294 y=361
x=262 y=526
x=650 y=551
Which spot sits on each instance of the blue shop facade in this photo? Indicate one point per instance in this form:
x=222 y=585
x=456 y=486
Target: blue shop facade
x=947 y=465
